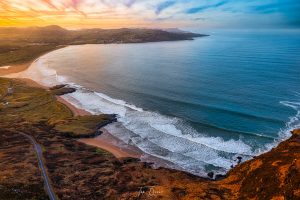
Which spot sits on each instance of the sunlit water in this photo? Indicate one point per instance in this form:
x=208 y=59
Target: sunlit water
x=198 y=104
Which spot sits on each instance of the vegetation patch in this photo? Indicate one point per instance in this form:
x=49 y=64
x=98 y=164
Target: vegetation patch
x=83 y=126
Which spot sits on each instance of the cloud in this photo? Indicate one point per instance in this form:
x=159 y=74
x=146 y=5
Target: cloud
x=162 y=6
x=49 y=3
x=75 y=3
x=205 y=7
x=140 y=12
x=129 y=3
x=273 y=7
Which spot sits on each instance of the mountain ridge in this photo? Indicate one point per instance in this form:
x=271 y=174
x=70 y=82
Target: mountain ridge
x=58 y=35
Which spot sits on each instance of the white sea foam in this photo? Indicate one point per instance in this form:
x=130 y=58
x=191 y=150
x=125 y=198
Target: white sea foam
x=40 y=72
x=284 y=133
x=165 y=137
x=119 y=102
x=294 y=121
x=160 y=135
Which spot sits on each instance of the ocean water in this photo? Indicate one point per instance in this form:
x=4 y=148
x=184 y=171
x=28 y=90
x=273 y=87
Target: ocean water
x=197 y=104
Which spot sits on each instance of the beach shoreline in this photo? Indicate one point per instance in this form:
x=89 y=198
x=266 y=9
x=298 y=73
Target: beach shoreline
x=104 y=141
x=72 y=144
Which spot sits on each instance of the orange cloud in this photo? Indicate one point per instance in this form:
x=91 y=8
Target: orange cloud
x=78 y=13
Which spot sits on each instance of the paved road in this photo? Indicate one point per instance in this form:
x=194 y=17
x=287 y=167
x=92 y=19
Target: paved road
x=39 y=152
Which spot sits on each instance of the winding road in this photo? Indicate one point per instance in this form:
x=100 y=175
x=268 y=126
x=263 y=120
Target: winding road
x=39 y=152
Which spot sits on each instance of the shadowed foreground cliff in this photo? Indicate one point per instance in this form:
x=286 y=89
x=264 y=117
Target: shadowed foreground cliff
x=78 y=171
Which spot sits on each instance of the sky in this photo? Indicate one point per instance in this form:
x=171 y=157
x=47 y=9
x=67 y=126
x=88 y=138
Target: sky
x=151 y=13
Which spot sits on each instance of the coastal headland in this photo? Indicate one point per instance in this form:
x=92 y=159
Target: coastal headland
x=101 y=170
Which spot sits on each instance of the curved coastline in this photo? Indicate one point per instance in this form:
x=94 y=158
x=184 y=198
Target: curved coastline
x=37 y=73
x=80 y=170
x=16 y=72
x=113 y=147
x=22 y=66
x=242 y=181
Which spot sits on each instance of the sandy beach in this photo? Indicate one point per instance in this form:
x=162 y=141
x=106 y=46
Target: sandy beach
x=112 y=144
x=105 y=141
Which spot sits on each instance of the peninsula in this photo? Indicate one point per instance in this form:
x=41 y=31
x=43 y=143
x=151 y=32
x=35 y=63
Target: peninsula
x=24 y=44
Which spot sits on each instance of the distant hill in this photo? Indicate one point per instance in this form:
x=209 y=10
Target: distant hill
x=19 y=45
x=60 y=36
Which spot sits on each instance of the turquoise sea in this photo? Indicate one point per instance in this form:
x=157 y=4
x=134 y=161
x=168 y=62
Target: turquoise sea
x=197 y=104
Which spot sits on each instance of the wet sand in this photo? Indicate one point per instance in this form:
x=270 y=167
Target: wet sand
x=105 y=141
x=112 y=144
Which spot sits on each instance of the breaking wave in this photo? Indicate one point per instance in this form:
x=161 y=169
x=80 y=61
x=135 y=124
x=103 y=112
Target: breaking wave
x=165 y=137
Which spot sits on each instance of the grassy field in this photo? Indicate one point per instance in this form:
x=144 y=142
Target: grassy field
x=17 y=54
x=36 y=105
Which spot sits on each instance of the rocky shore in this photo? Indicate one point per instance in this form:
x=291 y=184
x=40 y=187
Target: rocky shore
x=80 y=171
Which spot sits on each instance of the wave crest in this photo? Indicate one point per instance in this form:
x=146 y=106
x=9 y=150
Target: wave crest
x=165 y=137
